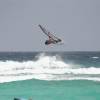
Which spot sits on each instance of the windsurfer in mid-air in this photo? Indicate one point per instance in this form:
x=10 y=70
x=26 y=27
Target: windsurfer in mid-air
x=52 y=39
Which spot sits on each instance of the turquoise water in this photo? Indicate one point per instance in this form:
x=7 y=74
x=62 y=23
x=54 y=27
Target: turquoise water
x=50 y=76
x=51 y=90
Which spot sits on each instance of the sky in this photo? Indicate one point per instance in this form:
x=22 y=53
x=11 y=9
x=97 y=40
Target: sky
x=76 y=22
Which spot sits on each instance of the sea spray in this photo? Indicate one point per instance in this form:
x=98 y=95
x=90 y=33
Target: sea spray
x=46 y=67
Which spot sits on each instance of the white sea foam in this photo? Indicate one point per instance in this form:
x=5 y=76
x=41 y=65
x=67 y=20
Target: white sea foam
x=46 y=68
x=95 y=57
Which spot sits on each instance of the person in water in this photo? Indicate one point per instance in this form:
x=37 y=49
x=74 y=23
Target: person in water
x=16 y=99
x=22 y=99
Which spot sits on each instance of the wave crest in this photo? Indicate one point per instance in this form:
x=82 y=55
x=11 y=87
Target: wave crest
x=46 y=68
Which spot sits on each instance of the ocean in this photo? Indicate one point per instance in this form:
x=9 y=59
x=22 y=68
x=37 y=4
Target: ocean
x=50 y=75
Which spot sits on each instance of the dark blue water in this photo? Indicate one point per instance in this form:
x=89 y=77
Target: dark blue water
x=83 y=58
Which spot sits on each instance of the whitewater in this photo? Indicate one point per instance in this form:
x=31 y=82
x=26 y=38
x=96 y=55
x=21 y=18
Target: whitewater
x=49 y=68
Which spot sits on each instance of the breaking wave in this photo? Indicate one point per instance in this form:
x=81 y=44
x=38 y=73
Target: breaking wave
x=46 y=68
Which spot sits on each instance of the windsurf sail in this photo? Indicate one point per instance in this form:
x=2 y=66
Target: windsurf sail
x=49 y=34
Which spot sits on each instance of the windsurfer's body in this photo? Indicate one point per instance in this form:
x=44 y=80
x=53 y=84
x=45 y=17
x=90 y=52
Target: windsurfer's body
x=47 y=42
